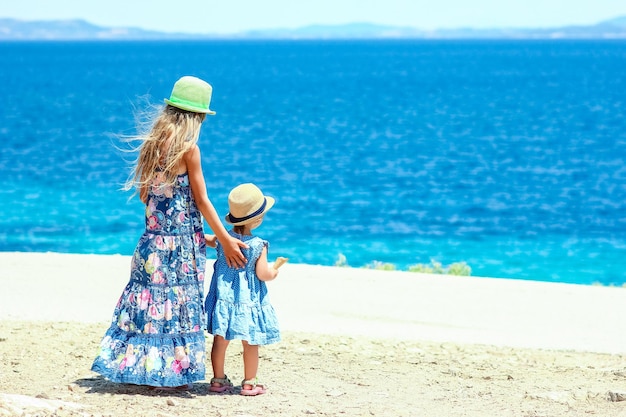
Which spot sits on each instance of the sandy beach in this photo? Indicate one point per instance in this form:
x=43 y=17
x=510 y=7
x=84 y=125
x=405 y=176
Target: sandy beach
x=356 y=342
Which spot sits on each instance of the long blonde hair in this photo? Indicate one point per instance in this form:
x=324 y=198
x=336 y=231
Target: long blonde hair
x=172 y=134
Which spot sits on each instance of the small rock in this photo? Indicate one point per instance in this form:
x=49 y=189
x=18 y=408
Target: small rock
x=72 y=387
x=335 y=393
x=171 y=402
x=616 y=396
x=556 y=396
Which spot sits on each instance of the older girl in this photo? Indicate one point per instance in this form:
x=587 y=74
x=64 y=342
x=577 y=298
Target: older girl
x=156 y=336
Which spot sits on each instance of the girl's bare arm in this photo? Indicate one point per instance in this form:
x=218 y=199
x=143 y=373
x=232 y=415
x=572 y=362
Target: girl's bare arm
x=232 y=247
x=263 y=269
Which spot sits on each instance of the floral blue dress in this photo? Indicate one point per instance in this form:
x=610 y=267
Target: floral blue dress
x=156 y=335
x=237 y=304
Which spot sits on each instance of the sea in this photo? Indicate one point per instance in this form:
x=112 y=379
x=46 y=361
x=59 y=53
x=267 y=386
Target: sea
x=505 y=155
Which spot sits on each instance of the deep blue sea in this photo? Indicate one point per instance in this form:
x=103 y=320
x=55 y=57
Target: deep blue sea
x=506 y=155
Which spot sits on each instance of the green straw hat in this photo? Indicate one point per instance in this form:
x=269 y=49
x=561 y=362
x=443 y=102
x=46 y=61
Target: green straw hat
x=191 y=94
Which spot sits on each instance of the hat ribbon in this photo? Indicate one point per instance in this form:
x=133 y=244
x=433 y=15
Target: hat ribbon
x=186 y=102
x=234 y=219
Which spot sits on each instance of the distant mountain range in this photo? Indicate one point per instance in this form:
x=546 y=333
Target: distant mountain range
x=19 y=30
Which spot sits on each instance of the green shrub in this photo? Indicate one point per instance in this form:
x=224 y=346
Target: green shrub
x=434 y=267
x=381 y=266
x=457 y=268
x=341 y=261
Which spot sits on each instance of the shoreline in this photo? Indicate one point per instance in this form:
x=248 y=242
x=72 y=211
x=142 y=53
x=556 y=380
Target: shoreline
x=347 y=301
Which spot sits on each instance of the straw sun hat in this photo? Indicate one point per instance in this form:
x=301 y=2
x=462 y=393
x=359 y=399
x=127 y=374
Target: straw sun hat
x=191 y=94
x=247 y=203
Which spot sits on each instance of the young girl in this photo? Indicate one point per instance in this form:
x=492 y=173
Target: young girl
x=156 y=336
x=237 y=304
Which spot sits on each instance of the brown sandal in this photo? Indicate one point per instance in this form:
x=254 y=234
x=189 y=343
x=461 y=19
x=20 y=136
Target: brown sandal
x=223 y=384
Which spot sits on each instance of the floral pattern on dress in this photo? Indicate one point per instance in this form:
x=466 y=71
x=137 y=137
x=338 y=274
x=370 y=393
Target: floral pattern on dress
x=156 y=335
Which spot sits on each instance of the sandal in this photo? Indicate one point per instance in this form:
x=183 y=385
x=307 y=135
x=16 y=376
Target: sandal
x=223 y=384
x=257 y=388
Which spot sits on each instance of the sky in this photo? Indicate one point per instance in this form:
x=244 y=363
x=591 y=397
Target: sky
x=233 y=16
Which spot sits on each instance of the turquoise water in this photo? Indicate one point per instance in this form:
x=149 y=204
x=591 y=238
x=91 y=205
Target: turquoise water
x=506 y=155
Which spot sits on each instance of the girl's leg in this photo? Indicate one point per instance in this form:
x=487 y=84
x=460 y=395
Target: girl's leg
x=250 y=362
x=218 y=356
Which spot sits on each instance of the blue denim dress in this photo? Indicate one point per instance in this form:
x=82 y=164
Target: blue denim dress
x=237 y=305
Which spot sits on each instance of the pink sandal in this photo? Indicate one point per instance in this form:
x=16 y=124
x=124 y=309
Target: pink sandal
x=257 y=389
x=223 y=384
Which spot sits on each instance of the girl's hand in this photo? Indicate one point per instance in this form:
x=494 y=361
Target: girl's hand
x=232 y=251
x=211 y=240
x=280 y=261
